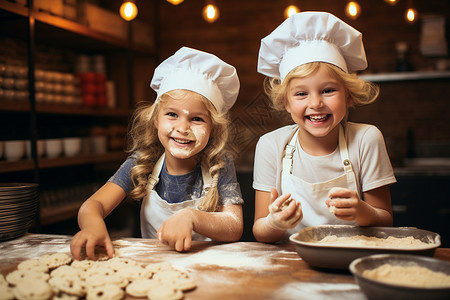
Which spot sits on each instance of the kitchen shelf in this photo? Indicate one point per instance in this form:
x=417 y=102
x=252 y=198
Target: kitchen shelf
x=65 y=32
x=49 y=108
x=44 y=163
x=405 y=76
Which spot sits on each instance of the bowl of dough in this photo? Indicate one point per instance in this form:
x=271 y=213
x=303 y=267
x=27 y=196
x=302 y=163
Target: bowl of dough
x=336 y=246
x=402 y=276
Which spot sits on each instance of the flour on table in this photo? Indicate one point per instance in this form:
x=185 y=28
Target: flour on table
x=322 y=291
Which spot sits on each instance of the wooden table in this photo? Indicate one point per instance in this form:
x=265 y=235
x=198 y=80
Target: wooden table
x=242 y=270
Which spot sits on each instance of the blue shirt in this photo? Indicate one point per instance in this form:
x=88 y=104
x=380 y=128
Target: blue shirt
x=179 y=188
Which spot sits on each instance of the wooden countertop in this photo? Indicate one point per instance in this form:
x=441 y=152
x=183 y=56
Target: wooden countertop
x=241 y=270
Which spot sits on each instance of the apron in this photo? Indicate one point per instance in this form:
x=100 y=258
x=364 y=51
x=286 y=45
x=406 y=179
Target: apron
x=155 y=210
x=312 y=196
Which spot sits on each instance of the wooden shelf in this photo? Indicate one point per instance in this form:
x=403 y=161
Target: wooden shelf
x=50 y=215
x=61 y=109
x=52 y=28
x=44 y=163
x=405 y=76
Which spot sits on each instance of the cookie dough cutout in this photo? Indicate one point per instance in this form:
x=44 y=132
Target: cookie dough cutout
x=332 y=209
x=33 y=265
x=16 y=276
x=83 y=264
x=33 y=289
x=182 y=283
x=63 y=296
x=107 y=292
x=6 y=292
x=140 y=287
x=55 y=260
x=164 y=292
x=99 y=252
x=157 y=267
x=66 y=270
x=69 y=285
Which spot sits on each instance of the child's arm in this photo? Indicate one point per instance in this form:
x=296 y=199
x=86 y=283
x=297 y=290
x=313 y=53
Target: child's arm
x=271 y=221
x=225 y=225
x=375 y=210
x=91 y=220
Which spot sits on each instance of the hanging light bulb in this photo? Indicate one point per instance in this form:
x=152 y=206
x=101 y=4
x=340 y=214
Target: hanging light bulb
x=210 y=12
x=291 y=10
x=175 y=2
x=411 y=14
x=391 y=2
x=353 y=10
x=128 y=10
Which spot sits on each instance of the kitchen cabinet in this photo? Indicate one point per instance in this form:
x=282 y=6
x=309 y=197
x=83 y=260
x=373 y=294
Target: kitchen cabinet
x=66 y=181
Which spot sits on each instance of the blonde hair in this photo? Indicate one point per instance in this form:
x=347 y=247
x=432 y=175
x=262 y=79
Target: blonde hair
x=143 y=140
x=360 y=91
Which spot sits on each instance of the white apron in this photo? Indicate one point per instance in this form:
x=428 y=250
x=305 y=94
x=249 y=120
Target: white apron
x=155 y=210
x=312 y=196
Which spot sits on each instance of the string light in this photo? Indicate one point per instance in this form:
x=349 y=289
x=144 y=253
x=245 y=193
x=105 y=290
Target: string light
x=391 y=2
x=128 y=10
x=175 y=2
x=411 y=13
x=210 y=12
x=291 y=10
x=353 y=10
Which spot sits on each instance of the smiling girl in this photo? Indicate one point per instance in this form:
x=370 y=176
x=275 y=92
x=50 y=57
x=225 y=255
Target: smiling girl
x=322 y=169
x=178 y=166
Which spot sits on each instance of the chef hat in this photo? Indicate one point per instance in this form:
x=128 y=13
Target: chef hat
x=308 y=37
x=200 y=72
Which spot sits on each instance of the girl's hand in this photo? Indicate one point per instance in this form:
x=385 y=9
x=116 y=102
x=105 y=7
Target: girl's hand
x=284 y=212
x=346 y=203
x=91 y=238
x=176 y=231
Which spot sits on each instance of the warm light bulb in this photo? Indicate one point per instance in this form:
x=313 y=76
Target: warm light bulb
x=210 y=13
x=290 y=10
x=128 y=11
x=175 y=2
x=353 y=10
x=411 y=15
x=391 y=2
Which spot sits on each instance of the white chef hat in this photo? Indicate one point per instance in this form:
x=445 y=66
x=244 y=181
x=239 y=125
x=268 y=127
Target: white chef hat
x=308 y=37
x=200 y=72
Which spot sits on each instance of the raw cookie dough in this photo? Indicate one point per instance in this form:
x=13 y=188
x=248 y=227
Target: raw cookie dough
x=55 y=260
x=34 y=289
x=140 y=287
x=164 y=292
x=107 y=292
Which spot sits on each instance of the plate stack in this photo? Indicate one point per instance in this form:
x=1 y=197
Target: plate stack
x=18 y=205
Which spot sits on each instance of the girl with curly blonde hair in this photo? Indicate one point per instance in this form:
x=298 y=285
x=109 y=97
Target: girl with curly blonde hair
x=179 y=167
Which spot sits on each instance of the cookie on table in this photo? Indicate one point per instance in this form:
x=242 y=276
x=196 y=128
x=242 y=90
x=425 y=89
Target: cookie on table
x=16 y=276
x=107 y=292
x=33 y=289
x=55 y=260
x=33 y=265
x=164 y=292
x=6 y=292
x=140 y=287
x=69 y=285
x=65 y=270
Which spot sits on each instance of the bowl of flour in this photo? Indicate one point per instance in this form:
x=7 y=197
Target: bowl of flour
x=401 y=276
x=336 y=246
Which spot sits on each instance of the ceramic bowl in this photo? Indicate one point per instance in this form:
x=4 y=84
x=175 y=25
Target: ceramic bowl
x=376 y=289
x=53 y=147
x=72 y=146
x=14 y=150
x=340 y=256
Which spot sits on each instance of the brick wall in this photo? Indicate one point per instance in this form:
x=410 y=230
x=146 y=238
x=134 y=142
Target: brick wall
x=421 y=106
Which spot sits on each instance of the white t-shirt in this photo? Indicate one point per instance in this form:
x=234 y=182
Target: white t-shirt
x=367 y=153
